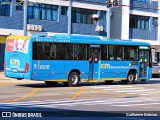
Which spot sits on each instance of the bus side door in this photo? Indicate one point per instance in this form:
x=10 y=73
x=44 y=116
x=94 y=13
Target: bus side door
x=144 y=63
x=94 y=64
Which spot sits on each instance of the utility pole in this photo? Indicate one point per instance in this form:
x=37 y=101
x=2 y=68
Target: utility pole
x=25 y=17
x=69 y=16
x=108 y=23
x=109 y=5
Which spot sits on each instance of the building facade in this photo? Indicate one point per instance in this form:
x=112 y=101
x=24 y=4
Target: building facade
x=131 y=19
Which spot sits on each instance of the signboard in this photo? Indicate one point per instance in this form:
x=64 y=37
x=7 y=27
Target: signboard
x=3 y=39
x=19 y=44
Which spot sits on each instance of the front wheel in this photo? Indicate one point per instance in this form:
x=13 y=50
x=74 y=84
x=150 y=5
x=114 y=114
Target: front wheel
x=131 y=78
x=73 y=79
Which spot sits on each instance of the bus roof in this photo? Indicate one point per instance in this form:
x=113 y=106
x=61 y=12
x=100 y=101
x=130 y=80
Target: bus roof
x=86 y=40
x=82 y=39
x=19 y=37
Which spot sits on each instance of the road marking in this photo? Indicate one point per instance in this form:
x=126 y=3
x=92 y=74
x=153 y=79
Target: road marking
x=113 y=86
x=127 y=89
x=137 y=104
x=122 y=89
x=78 y=93
x=136 y=90
x=124 y=102
x=26 y=96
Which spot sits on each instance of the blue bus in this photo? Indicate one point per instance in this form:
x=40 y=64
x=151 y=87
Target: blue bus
x=73 y=58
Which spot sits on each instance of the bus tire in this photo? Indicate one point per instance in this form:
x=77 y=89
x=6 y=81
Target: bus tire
x=73 y=79
x=131 y=78
x=50 y=83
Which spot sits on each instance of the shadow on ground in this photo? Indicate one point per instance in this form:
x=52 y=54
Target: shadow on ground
x=43 y=85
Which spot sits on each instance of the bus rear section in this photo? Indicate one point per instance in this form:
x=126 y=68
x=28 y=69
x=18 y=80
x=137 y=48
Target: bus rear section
x=16 y=62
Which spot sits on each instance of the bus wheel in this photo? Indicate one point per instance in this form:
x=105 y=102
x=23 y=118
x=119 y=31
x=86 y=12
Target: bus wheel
x=109 y=81
x=131 y=78
x=73 y=79
x=50 y=83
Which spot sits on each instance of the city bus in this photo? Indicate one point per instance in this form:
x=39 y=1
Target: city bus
x=71 y=59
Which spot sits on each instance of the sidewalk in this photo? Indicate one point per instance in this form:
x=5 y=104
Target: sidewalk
x=1 y=73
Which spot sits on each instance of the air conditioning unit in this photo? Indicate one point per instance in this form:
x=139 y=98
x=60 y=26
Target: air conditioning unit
x=30 y=27
x=38 y=27
x=95 y=16
x=99 y=28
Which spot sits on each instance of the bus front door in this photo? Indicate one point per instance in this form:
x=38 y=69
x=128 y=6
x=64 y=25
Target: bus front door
x=94 y=70
x=144 y=62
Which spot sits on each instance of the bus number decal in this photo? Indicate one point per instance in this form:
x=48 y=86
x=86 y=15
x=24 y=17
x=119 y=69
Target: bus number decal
x=44 y=66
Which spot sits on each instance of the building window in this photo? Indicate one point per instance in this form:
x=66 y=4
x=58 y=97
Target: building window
x=82 y=16
x=103 y=15
x=19 y=5
x=43 y=12
x=142 y=0
x=4 y=8
x=139 y=22
x=155 y=21
x=64 y=10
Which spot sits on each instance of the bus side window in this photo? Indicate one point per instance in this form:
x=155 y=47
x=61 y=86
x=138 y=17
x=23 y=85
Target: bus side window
x=111 y=52
x=130 y=53
x=118 y=58
x=111 y=57
x=52 y=53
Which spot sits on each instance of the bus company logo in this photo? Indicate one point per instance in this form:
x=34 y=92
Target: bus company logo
x=104 y=66
x=108 y=66
x=14 y=63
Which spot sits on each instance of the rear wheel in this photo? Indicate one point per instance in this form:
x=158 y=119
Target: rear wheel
x=73 y=79
x=50 y=83
x=131 y=78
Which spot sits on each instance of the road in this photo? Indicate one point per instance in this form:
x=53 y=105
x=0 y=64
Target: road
x=119 y=98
